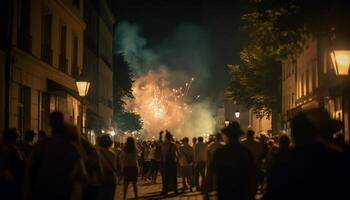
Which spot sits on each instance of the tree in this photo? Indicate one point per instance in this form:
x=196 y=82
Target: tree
x=122 y=84
x=256 y=82
x=129 y=121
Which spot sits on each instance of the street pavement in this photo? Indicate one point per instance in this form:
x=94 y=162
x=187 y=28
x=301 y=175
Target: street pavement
x=152 y=192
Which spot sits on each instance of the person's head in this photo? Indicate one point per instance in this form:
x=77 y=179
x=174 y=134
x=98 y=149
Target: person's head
x=200 y=139
x=194 y=140
x=73 y=133
x=41 y=134
x=57 y=122
x=302 y=129
x=250 y=134
x=168 y=136
x=105 y=141
x=339 y=140
x=218 y=137
x=185 y=140
x=29 y=136
x=10 y=136
x=324 y=125
x=284 y=142
x=232 y=131
x=130 y=145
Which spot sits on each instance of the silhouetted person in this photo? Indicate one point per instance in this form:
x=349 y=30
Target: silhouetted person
x=254 y=146
x=210 y=180
x=41 y=135
x=234 y=167
x=28 y=144
x=55 y=169
x=169 y=163
x=316 y=170
x=200 y=162
x=108 y=160
x=279 y=162
x=130 y=166
x=186 y=157
x=12 y=165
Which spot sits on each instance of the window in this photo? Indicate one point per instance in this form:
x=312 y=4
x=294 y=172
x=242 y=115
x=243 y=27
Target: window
x=46 y=52
x=302 y=85
x=63 y=44
x=20 y=109
x=23 y=109
x=75 y=69
x=24 y=40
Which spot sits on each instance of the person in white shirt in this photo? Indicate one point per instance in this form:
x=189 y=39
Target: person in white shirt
x=200 y=159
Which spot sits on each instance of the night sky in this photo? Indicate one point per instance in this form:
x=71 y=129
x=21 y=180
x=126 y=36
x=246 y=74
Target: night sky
x=220 y=19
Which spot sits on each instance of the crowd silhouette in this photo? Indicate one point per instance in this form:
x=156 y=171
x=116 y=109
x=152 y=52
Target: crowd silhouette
x=311 y=163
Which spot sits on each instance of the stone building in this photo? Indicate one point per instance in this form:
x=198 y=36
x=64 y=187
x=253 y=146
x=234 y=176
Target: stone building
x=46 y=58
x=98 y=60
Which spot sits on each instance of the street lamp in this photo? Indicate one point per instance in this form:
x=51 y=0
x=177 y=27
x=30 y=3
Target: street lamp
x=341 y=61
x=227 y=122
x=83 y=88
x=237 y=114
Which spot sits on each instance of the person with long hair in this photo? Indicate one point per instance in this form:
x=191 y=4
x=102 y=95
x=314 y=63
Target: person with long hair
x=130 y=166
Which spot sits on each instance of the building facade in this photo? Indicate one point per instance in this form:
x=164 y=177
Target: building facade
x=98 y=58
x=46 y=58
x=289 y=79
x=260 y=124
x=312 y=79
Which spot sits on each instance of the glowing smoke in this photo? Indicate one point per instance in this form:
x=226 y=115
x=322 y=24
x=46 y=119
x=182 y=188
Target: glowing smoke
x=162 y=88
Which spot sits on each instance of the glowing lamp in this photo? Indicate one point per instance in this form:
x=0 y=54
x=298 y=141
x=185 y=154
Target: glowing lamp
x=83 y=86
x=237 y=114
x=227 y=122
x=341 y=61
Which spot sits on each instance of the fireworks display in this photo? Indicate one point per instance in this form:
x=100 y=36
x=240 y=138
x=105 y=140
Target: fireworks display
x=162 y=106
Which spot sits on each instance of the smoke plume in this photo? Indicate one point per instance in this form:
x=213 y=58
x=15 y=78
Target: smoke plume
x=170 y=80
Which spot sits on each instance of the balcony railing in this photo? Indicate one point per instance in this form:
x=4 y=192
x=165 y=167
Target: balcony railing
x=46 y=54
x=24 y=41
x=63 y=63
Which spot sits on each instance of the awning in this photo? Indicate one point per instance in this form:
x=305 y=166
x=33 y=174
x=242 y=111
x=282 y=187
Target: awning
x=60 y=90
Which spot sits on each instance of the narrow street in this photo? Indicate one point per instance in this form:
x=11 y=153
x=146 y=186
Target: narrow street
x=152 y=191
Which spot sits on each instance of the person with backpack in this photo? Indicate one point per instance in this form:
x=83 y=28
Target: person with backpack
x=186 y=161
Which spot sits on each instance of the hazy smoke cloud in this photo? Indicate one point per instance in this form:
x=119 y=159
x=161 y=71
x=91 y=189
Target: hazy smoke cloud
x=169 y=65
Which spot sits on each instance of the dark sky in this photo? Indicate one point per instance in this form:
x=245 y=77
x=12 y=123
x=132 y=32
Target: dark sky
x=220 y=18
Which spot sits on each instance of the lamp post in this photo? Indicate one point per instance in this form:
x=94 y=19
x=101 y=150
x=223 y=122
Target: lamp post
x=83 y=86
x=341 y=61
x=227 y=122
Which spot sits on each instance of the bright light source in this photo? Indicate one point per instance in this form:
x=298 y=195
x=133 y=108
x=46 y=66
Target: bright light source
x=112 y=133
x=227 y=122
x=237 y=114
x=341 y=61
x=83 y=87
x=102 y=131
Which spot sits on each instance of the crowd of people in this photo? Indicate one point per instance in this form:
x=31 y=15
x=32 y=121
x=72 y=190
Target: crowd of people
x=312 y=163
